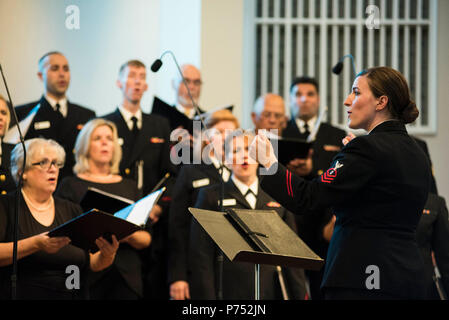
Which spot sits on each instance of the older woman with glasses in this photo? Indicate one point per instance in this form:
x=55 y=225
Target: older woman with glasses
x=6 y=182
x=43 y=260
x=98 y=155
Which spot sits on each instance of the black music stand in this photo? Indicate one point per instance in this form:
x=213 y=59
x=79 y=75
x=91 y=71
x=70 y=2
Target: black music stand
x=257 y=236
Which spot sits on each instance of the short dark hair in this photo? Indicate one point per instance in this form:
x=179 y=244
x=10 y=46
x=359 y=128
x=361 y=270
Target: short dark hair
x=305 y=79
x=41 y=60
x=49 y=54
x=133 y=63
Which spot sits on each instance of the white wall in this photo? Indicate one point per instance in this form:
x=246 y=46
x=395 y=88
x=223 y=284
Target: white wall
x=179 y=32
x=222 y=54
x=111 y=32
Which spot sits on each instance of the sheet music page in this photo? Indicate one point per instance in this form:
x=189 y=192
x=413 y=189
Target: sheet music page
x=139 y=211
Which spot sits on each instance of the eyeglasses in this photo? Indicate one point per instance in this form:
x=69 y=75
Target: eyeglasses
x=46 y=164
x=196 y=82
x=267 y=114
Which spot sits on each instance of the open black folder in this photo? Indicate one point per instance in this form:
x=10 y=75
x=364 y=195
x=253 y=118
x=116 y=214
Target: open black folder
x=104 y=201
x=86 y=228
x=175 y=117
x=257 y=236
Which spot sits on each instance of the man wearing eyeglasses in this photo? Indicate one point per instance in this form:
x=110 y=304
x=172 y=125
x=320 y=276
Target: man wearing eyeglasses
x=269 y=113
x=193 y=79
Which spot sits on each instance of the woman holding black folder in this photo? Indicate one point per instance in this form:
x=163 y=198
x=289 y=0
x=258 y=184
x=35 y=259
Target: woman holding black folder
x=43 y=261
x=377 y=187
x=98 y=155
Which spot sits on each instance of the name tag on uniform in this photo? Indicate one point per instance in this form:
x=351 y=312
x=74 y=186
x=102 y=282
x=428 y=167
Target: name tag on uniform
x=332 y=148
x=228 y=202
x=273 y=204
x=157 y=140
x=120 y=141
x=41 y=125
x=201 y=183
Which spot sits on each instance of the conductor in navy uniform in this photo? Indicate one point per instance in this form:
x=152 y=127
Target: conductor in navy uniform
x=377 y=187
x=304 y=108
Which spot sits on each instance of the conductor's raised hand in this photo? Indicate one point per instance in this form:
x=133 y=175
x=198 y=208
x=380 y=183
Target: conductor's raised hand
x=261 y=150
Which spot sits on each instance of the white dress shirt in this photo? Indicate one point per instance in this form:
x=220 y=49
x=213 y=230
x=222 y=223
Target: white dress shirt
x=189 y=112
x=128 y=115
x=250 y=197
x=311 y=123
x=63 y=109
x=226 y=172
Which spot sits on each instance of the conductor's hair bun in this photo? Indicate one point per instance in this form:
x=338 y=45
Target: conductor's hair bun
x=410 y=112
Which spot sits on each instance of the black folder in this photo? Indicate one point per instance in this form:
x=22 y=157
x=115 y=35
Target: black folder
x=210 y=112
x=86 y=228
x=175 y=118
x=104 y=201
x=290 y=148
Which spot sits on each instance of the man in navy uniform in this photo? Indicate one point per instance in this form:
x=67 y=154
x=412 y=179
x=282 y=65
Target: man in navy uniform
x=54 y=116
x=304 y=108
x=145 y=140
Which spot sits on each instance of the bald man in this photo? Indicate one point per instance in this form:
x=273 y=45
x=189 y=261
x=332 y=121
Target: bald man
x=269 y=113
x=55 y=117
x=192 y=75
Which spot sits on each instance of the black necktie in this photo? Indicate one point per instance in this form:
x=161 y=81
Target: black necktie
x=134 y=129
x=250 y=192
x=306 y=129
x=58 y=108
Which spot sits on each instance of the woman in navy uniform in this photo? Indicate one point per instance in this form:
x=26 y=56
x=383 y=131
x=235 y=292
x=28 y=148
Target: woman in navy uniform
x=6 y=182
x=242 y=191
x=191 y=179
x=377 y=187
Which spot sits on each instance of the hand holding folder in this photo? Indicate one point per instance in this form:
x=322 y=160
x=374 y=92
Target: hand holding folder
x=86 y=228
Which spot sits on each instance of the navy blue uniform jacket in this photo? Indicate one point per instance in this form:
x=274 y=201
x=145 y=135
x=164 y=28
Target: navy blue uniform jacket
x=377 y=187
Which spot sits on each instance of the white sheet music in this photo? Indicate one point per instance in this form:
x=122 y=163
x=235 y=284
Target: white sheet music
x=138 y=212
x=12 y=136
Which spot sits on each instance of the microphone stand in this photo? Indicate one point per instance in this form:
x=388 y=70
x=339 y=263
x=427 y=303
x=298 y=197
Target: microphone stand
x=19 y=188
x=155 y=67
x=339 y=66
